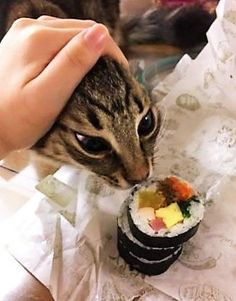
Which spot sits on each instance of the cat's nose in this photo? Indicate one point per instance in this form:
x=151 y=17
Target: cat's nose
x=138 y=178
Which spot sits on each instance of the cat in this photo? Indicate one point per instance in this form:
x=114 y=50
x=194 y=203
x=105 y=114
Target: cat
x=109 y=125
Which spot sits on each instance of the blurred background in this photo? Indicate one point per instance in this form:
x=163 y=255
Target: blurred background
x=160 y=32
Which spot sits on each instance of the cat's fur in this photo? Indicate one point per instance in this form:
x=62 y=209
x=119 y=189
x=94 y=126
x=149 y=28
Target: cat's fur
x=108 y=103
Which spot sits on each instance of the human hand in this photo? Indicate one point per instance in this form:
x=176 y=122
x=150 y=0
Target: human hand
x=42 y=62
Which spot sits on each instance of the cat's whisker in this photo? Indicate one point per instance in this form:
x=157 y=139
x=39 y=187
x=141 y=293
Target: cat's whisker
x=156 y=158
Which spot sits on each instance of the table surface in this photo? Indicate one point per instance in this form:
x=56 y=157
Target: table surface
x=18 y=177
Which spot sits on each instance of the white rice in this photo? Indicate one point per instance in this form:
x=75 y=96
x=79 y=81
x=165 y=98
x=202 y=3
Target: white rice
x=196 y=210
x=143 y=260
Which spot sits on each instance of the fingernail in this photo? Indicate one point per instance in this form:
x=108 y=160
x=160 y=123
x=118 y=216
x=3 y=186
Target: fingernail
x=94 y=37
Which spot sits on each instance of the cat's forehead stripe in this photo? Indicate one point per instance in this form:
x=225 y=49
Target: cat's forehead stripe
x=110 y=109
x=97 y=105
x=94 y=120
x=139 y=104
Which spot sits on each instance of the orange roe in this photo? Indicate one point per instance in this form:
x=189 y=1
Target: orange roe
x=182 y=190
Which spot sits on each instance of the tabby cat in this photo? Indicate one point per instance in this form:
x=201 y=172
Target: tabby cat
x=109 y=125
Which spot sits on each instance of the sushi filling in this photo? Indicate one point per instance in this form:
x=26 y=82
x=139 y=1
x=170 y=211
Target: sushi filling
x=125 y=228
x=166 y=207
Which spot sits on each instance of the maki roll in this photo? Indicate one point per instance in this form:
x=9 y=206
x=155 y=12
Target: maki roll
x=144 y=266
x=137 y=248
x=165 y=213
x=154 y=222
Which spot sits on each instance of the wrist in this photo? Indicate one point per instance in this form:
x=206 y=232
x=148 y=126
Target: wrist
x=4 y=150
x=5 y=146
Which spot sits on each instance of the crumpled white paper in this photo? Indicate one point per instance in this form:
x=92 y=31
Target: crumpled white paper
x=77 y=258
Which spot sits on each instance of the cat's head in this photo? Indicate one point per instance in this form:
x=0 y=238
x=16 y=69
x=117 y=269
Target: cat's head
x=109 y=126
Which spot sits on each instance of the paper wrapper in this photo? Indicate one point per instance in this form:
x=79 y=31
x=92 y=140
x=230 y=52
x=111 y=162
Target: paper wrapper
x=70 y=244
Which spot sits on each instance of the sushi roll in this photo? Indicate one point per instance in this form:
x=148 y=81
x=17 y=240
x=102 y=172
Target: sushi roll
x=144 y=266
x=155 y=221
x=138 y=249
x=164 y=213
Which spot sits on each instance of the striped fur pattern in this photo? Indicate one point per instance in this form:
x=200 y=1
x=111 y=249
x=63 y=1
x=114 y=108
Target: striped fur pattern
x=111 y=105
x=109 y=125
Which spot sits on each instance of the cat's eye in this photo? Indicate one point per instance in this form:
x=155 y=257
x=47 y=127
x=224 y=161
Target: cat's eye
x=93 y=145
x=147 y=124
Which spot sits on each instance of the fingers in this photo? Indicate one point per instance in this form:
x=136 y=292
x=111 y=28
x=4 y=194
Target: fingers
x=68 y=67
x=114 y=51
x=74 y=61
x=65 y=23
x=69 y=26
x=45 y=18
x=111 y=49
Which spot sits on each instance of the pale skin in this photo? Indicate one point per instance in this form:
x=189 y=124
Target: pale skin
x=42 y=61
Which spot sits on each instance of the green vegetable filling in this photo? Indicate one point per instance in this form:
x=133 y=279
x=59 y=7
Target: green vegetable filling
x=185 y=208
